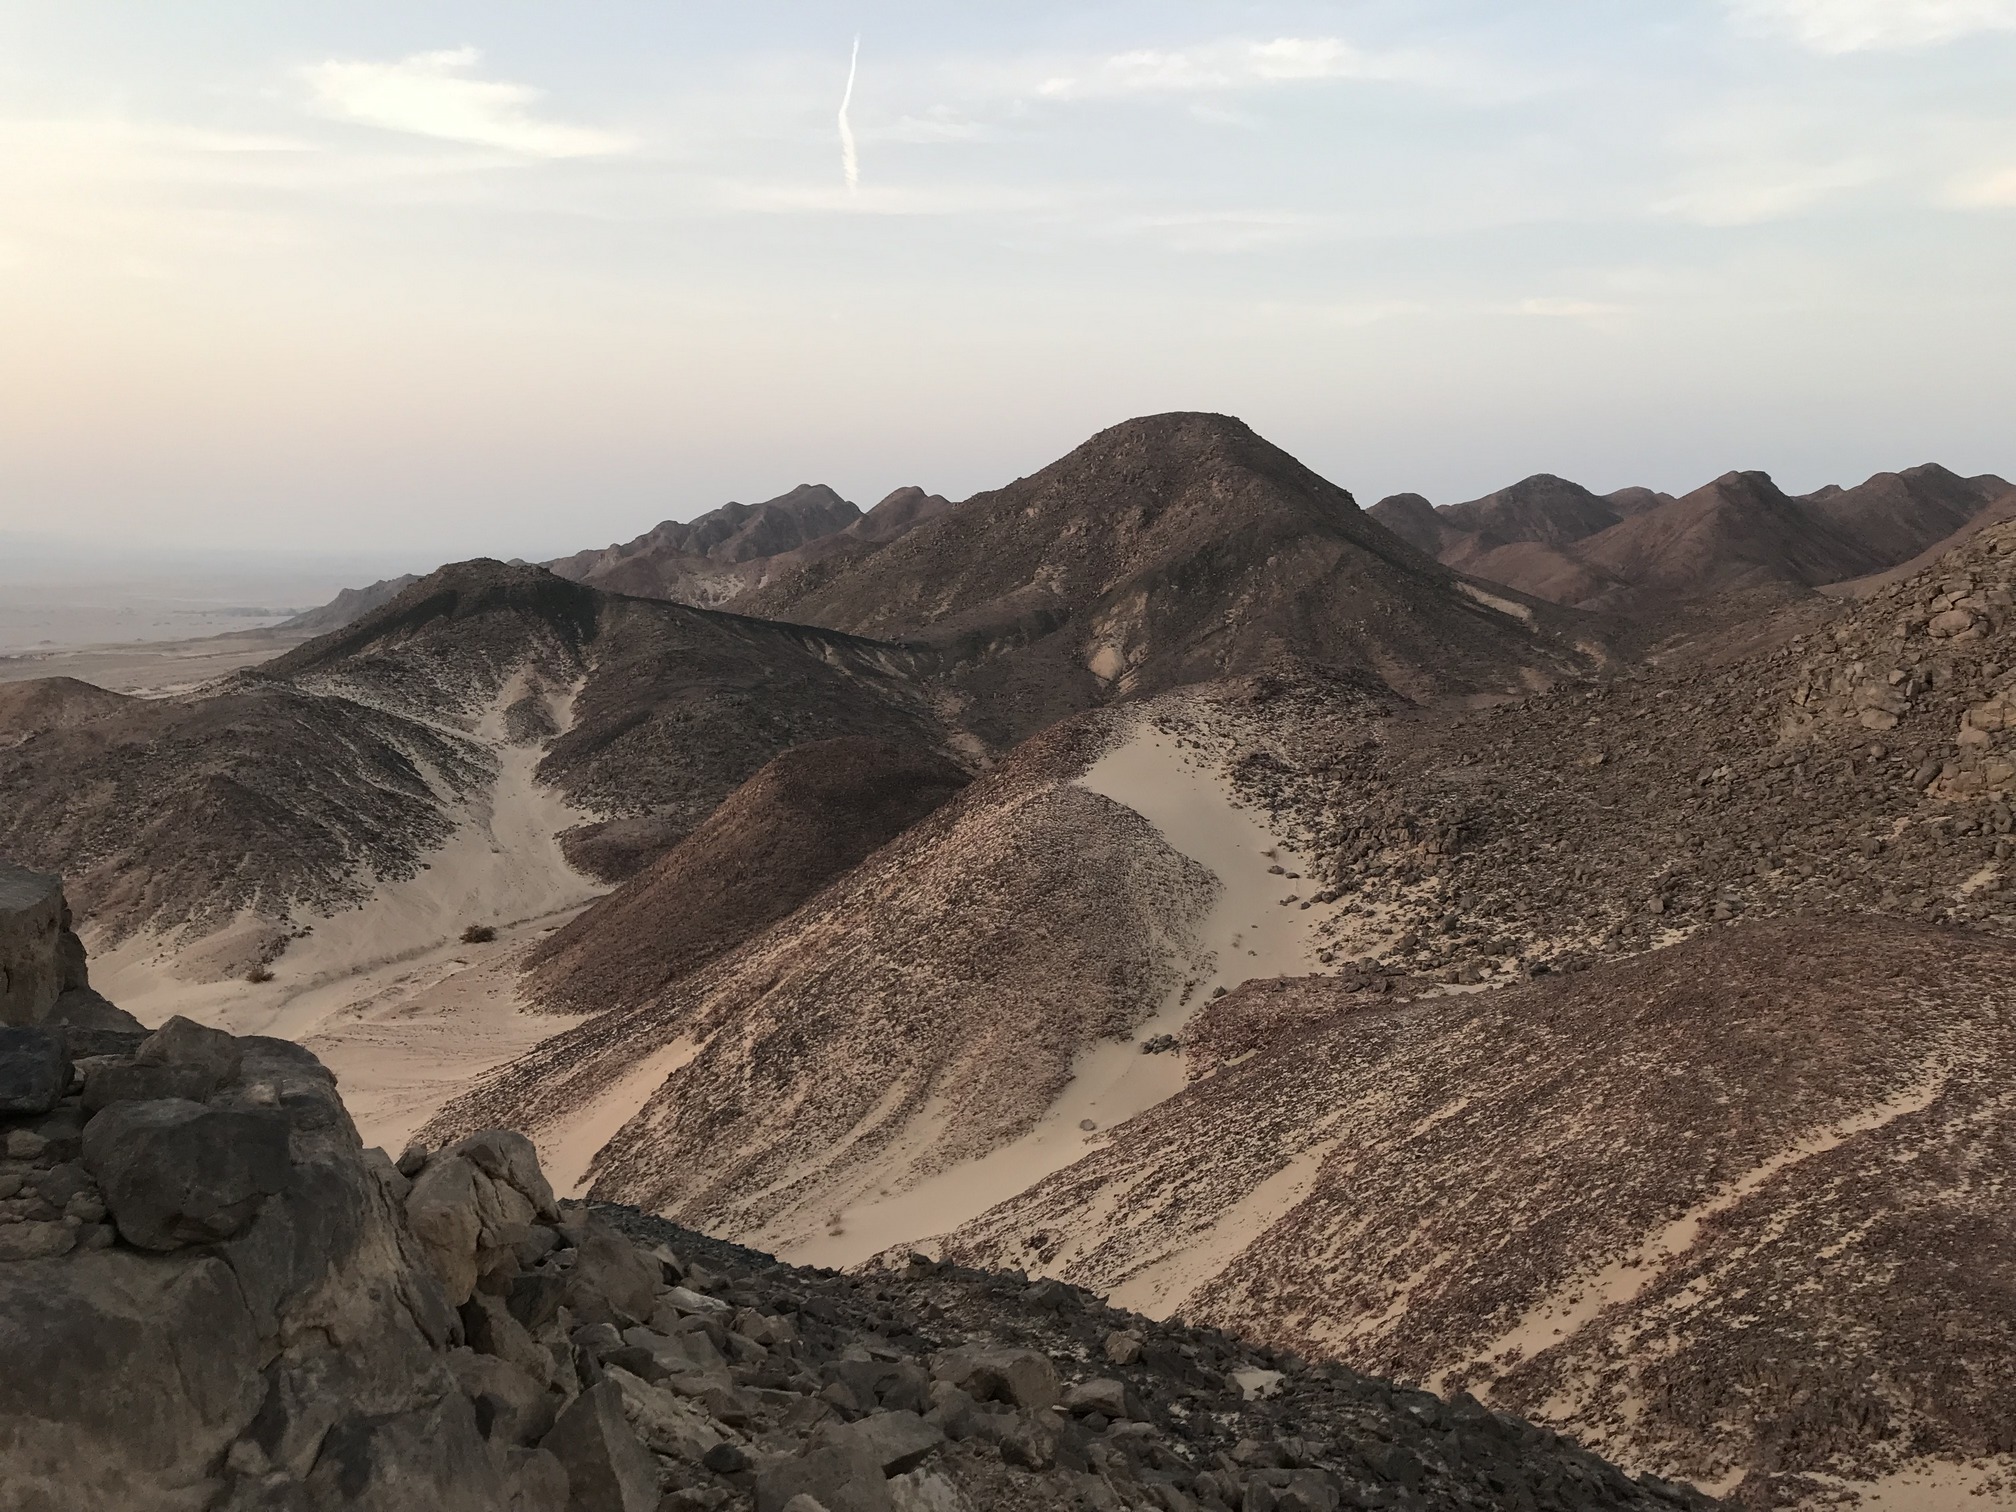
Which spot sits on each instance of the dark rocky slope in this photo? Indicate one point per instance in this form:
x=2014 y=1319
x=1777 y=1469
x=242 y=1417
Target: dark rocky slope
x=1728 y=1211
x=307 y=781
x=350 y=605
x=708 y=560
x=1823 y=757
x=809 y=816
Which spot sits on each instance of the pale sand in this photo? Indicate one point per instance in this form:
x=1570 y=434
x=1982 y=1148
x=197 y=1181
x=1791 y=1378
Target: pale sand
x=1247 y=934
x=567 y=1150
x=153 y=667
x=1938 y=1486
x=404 y=1013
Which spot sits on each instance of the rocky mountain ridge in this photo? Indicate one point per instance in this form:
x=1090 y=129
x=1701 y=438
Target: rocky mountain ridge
x=1640 y=553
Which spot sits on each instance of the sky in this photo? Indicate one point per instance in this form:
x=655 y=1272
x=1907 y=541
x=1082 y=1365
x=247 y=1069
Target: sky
x=417 y=280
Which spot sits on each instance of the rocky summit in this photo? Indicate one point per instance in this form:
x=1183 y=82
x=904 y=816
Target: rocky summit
x=212 y=1296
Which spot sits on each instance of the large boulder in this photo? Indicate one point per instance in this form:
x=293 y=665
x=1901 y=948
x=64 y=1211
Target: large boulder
x=40 y=959
x=215 y=1300
x=176 y=1173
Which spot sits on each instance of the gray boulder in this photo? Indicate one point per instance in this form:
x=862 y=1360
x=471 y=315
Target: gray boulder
x=1020 y=1377
x=34 y=1071
x=40 y=959
x=839 y=1474
x=607 y=1469
x=176 y=1173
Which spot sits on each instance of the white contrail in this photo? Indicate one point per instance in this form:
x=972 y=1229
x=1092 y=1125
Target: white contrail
x=850 y=161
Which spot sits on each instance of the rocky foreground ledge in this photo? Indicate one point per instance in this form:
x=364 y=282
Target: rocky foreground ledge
x=213 y=1297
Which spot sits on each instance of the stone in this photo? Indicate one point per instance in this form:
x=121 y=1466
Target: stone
x=1105 y=1396
x=896 y=1441
x=538 y=1481
x=692 y=1303
x=184 y=1042
x=1022 y=1377
x=664 y=1420
x=840 y=1476
x=1027 y=1439
x=511 y=1407
x=608 y=1470
x=490 y=1328
x=442 y=1209
x=34 y=1071
x=509 y=1157
x=92 y=1026
x=611 y=1281
x=132 y=1081
x=926 y=1491
x=175 y=1173
x=40 y=958
x=1122 y=1348
x=373 y=1459
x=1950 y=623
x=36 y=1241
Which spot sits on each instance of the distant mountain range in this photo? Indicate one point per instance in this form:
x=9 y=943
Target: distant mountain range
x=1637 y=552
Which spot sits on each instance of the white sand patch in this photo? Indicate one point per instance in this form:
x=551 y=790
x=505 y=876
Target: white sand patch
x=1987 y=1485
x=1250 y=932
x=390 y=997
x=567 y=1149
x=1503 y=605
x=502 y=867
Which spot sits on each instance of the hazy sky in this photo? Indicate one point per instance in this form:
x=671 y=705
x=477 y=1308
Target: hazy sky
x=513 y=276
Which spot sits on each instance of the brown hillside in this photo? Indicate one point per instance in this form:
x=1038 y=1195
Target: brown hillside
x=1729 y=1211
x=808 y=816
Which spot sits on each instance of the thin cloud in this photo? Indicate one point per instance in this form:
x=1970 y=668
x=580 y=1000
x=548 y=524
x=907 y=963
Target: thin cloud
x=434 y=95
x=1988 y=191
x=1748 y=195
x=1570 y=309
x=1220 y=66
x=1846 y=26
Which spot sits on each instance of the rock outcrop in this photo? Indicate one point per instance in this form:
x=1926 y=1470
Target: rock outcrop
x=40 y=958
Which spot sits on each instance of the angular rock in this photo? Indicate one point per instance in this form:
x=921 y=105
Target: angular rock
x=611 y=1281
x=538 y=1481
x=607 y=1469
x=490 y=1328
x=92 y=1026
x=40 y=958
x=1022 y=1377
x=36 y=1241
x=896 y=1441
x=443 y=1211
x=184 y=1042
x=429 y=1456
x=177 y=1173
x=132 y=1081
x=34 y=1071
x=666 y=1422
x=1105 y=1396
x=840 y=1476
x=510 y=1406
x=926 y=1491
